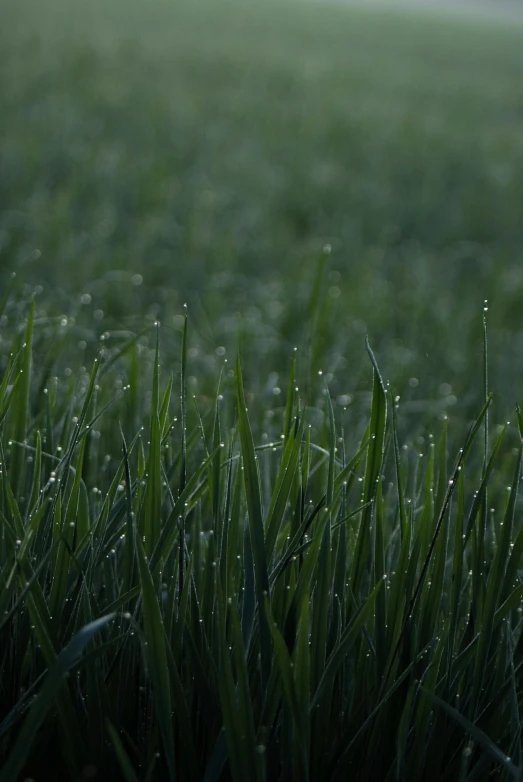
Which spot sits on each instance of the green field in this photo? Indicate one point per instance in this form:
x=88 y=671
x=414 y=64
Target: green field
x=214 y=149
x=335 y=592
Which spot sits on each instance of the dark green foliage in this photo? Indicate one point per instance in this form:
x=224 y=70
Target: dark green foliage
x=324 y=623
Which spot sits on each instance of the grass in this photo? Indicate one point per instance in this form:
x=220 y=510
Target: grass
x=242 y=544
x=185 y=600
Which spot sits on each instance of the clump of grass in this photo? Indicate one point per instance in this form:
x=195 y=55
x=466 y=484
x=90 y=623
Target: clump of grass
x=184 y=596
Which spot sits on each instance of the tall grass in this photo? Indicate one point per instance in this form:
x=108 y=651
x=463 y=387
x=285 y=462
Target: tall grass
x=187 y=595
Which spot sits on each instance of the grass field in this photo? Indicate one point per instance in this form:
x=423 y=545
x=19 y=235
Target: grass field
x=303 y=566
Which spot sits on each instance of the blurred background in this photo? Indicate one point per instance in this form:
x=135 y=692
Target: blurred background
x=213 y=152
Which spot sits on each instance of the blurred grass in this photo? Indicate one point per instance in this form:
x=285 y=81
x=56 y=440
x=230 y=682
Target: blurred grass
x=212 y=149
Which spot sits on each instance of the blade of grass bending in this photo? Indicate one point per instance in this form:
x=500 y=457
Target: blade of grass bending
x=477 y=734
x=156 y=657
x=375 y=450
x=254 y=506
x=350 y=516
x=66 y=660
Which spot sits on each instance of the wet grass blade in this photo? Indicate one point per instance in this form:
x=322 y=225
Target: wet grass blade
x=257 y=535
x=156 y=657
x=375 y=452
x=151 y=520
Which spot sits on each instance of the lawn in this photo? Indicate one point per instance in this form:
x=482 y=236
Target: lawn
x=261 y=570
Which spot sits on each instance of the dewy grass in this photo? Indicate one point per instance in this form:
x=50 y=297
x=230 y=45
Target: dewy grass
x=184 y=596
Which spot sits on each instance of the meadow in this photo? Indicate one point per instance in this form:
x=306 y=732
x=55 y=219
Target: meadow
x=259 y=437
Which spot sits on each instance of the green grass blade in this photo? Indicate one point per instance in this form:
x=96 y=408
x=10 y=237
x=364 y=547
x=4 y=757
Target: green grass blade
x=254 y=506
x=375 y=452
x=347 y=639
x=156 y=657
